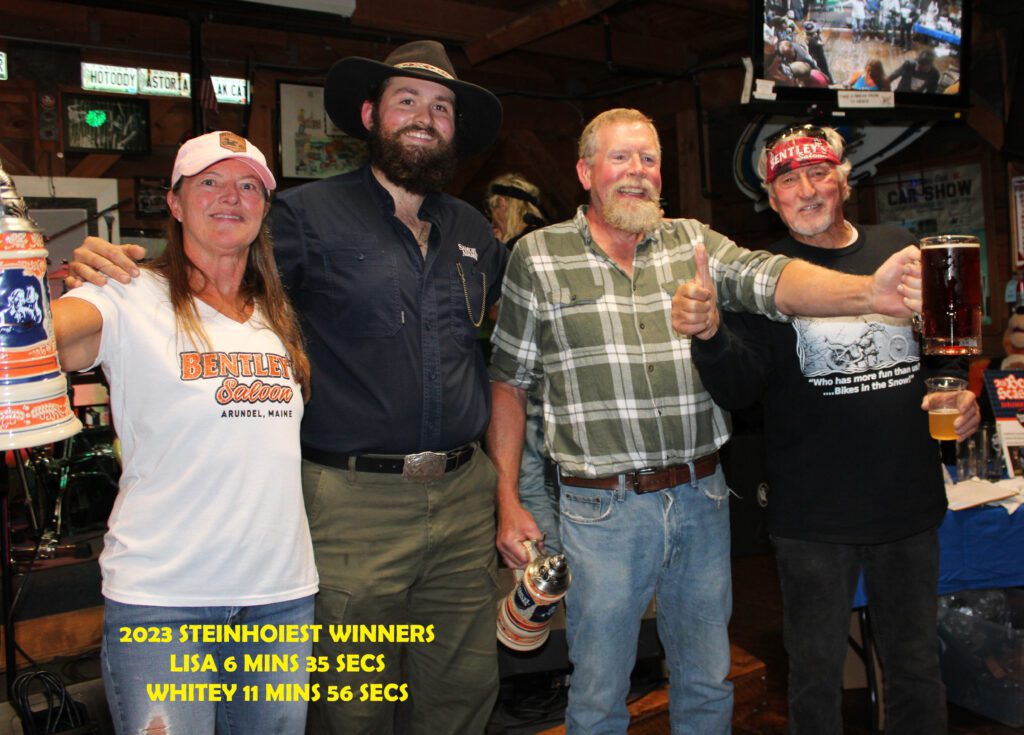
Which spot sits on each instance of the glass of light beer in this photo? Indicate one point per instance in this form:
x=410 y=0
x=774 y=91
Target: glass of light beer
x=942 y=411
x=951 y=292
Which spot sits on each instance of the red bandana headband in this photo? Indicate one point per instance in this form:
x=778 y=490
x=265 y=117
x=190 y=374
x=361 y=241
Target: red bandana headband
x=797 y=152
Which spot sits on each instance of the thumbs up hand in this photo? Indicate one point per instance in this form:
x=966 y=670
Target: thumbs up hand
x=695 y=305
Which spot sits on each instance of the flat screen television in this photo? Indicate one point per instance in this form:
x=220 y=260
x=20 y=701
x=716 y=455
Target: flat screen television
x=876 y=59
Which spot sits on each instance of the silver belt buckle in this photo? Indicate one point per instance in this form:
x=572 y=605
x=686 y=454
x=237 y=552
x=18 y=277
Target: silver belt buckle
x=424 y=466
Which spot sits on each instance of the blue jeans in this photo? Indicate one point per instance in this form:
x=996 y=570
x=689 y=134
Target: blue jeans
x=622 y=548
x=132 y=670
x=536 y=493
x=818 y=582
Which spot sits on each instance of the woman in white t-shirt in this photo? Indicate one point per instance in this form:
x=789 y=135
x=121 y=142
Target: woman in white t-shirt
x=208 y=573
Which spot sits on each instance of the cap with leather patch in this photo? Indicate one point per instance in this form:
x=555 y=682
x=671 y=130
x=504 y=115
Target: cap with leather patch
x=200 y=153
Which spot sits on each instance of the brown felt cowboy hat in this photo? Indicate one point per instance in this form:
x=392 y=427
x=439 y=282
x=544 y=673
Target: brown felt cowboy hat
x=353 y=80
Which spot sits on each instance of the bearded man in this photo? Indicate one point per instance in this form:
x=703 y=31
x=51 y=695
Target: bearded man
x=391 y=278
x=600 y=311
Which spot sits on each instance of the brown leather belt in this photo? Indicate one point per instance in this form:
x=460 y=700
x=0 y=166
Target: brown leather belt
x=647 y=481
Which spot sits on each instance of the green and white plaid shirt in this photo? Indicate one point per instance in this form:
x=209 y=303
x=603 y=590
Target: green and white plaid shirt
x=620 y=390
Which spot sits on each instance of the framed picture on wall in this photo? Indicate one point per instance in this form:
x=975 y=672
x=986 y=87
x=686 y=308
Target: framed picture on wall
x=151 y=196
x=310 y=146
x=105 y=124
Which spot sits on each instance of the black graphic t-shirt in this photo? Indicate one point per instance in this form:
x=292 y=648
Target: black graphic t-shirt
x=848 y=451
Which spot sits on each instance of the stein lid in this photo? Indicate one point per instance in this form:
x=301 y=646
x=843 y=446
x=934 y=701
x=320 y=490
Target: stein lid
x=13 y=211
x=551 y=574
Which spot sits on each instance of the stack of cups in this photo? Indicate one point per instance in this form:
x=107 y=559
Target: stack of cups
x=978 y=456
x=34 y=407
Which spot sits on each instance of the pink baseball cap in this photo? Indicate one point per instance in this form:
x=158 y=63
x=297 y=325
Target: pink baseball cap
x=199 y=153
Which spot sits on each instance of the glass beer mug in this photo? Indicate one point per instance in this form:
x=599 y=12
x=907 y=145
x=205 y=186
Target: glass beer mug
x=951 y=292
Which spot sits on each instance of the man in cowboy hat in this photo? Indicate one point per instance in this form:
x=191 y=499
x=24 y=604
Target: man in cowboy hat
x=391 y=278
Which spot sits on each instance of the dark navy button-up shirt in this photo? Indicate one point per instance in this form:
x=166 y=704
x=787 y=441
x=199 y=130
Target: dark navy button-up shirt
x=396 y=367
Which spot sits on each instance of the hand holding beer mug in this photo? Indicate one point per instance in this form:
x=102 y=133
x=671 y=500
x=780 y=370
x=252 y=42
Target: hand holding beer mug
x=951 y=292
x=943 y=406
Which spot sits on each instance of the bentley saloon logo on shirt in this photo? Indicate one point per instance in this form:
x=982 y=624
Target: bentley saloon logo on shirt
x=234 y=365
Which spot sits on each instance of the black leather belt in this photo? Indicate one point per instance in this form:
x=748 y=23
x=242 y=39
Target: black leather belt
x=647 y=481
x=420 y=466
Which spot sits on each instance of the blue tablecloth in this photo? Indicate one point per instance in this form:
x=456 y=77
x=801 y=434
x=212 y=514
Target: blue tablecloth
x=937 y=34
x=980 y=548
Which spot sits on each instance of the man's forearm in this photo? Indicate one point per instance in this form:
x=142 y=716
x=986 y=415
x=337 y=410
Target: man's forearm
x=810 y=290
x=893 y=289
x=505 y=438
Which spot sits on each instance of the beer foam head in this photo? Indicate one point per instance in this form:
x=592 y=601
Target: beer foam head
x=202 y=152
x=949 y=241
x=798 y=152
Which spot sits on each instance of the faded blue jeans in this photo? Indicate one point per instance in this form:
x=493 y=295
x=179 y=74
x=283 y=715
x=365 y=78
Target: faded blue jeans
x=622 y=548
x=134 y=669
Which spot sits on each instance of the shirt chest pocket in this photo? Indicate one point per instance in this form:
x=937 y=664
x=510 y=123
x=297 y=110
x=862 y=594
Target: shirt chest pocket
x=359 y=286
x=580 y=317
x=468 y=292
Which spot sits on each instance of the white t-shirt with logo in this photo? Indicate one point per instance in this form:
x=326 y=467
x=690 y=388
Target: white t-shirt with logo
x=210 y=509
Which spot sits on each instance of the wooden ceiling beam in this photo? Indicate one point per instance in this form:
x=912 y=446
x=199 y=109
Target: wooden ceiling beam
x=464 y=22
x=444 y=20
x=533 y=25
x=380 y=25
x=11 y=163
x=726 y=8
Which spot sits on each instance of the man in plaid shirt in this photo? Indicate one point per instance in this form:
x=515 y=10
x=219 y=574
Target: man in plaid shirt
x=600 y=310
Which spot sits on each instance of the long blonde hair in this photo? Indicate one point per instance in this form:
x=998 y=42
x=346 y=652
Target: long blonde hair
x=261 y=287
x=519 y=213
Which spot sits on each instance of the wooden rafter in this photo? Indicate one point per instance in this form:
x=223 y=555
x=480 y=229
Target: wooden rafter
x=11 y=163
x=533 y=25
x=465 y=22
x=739 y=9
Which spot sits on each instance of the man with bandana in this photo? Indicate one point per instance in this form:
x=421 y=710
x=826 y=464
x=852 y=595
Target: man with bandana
x=855 y=480
x=602 y=311
x=391 y=278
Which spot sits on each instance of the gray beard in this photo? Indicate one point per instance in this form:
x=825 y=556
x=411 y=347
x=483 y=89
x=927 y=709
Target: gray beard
x=813 y=230
x=633 y=217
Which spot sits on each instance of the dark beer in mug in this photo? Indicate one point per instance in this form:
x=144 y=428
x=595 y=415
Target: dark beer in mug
x=951 y=291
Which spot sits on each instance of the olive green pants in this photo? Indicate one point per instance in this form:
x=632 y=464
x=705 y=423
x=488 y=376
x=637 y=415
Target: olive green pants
x=414 y=561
